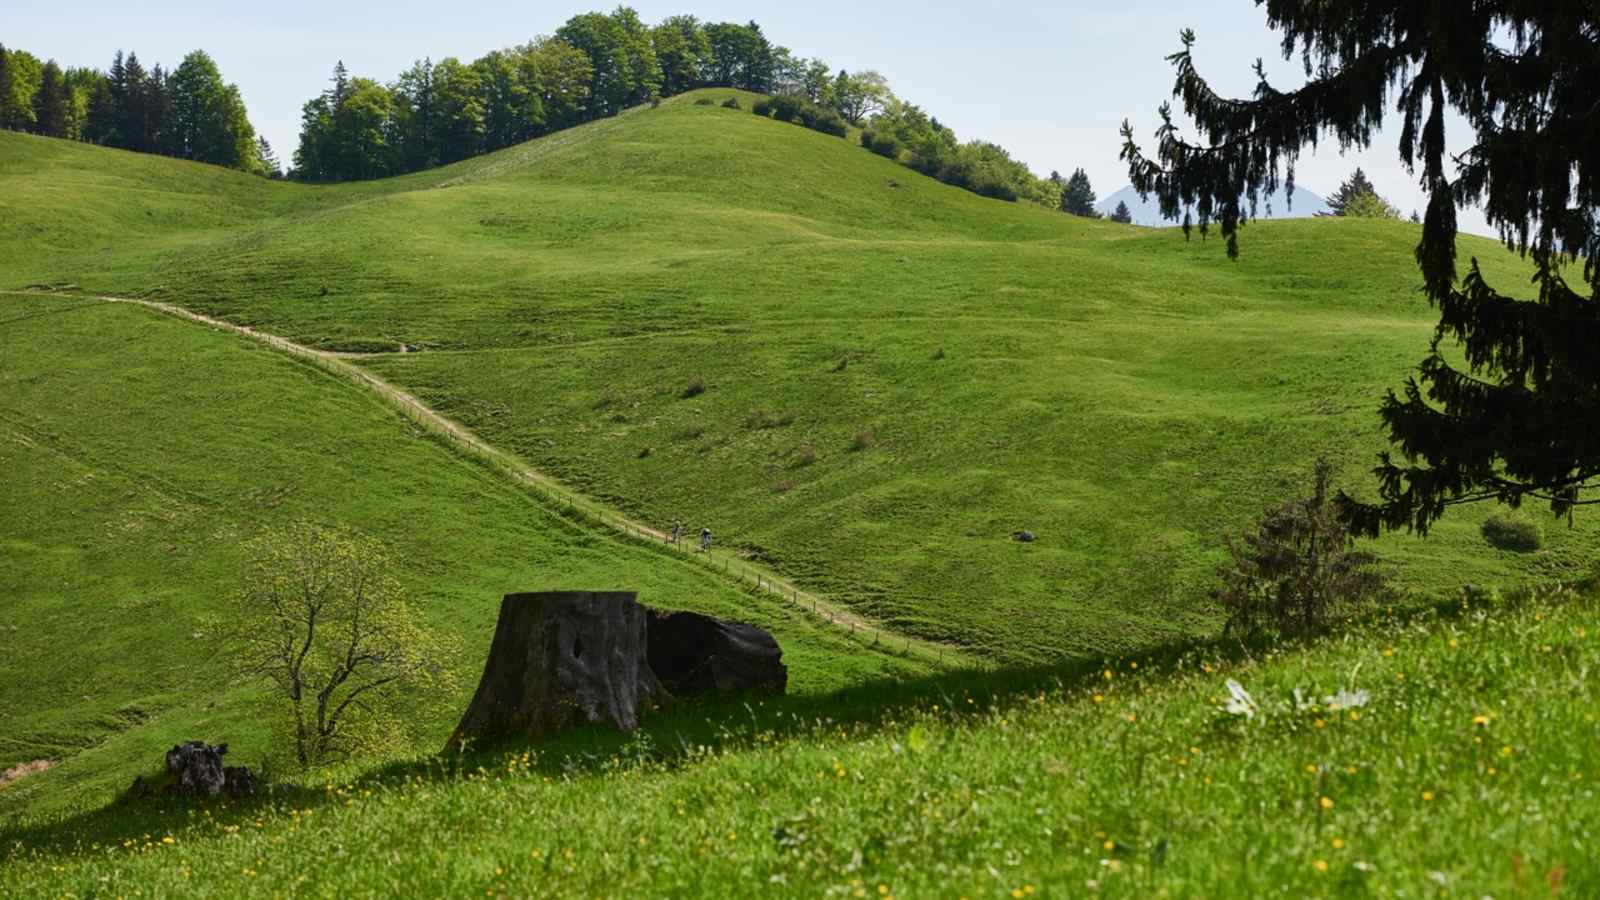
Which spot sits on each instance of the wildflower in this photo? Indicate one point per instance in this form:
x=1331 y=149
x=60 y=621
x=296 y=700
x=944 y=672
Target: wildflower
x=1506 y=751
x=1427 y=796
x=1099 y=698
x=1322 y=865
x=1109 y=846
x=1108 y=674
x=168 y=840
x=1338 y=843
x=1326 y=802
x=1480 y=720
x=1240 y=702
x=1347 y=699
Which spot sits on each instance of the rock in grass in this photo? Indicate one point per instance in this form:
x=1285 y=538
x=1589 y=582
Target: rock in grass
x=692 y=653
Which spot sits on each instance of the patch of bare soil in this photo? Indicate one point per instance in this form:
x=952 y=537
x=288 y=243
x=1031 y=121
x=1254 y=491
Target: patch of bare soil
x=28 y=768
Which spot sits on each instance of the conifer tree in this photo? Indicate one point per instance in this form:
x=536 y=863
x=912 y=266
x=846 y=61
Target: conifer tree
x=1355 y=186
x=1510 y=412
x=1122 y=214
x=52 y=103
x=1078 y=197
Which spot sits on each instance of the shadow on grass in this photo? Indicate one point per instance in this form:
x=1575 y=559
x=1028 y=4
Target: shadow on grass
x=679 y=735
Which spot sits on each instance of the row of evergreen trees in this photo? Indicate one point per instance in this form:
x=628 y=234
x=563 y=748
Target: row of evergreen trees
x=189 y=112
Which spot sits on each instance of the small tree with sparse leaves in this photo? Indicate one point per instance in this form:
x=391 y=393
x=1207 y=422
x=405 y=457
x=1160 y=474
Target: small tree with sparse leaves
x=322 y=619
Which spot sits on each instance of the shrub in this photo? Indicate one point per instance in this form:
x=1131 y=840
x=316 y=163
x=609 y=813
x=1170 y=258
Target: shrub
x=732 y=103
x=692 y=432
x=882 y=144
x=1295 y=571
x=705 y=101
x=805 y=455
x=831 y=122
x=1510 y=531
x=697 y=386
x=786 y=108
x=864 y=440
x=762 y=107
x=783 y=487
x=826 y=121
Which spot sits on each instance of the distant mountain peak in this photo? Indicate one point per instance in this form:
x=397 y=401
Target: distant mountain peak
x=1274 y=206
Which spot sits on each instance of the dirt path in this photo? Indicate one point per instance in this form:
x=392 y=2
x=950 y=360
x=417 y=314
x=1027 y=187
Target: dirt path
x=728 y=564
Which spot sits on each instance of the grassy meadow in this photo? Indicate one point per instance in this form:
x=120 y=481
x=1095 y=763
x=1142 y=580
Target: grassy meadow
x=140 y=451
x=858 y=377
x=1468 y=769
x=898 y=375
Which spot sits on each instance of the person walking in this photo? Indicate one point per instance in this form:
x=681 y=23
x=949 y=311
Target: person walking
x=677 y=531
x=705 y=540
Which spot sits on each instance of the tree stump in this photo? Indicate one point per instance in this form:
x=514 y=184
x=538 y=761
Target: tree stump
x=560 y=659
x=692 y=653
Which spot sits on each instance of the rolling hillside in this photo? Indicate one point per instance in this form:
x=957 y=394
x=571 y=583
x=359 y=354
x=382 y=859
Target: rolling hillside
x=856 y=377
x=898 y=374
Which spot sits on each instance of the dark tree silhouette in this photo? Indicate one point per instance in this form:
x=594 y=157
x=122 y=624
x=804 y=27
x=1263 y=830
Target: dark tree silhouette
x=1518 y=419
x=1122 y=214
x=1078 y=197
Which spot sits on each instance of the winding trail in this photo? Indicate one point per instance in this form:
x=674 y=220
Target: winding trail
x=733 y=567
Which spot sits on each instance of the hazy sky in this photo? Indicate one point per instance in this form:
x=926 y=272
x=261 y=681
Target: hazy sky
x=1051 y=82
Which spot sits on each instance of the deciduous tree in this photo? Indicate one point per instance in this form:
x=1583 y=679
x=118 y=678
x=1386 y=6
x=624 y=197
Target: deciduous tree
x=321 y=618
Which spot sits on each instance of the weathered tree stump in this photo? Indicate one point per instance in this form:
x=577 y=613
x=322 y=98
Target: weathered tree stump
x=195 y=769
x=692 y=653
x=560 y=659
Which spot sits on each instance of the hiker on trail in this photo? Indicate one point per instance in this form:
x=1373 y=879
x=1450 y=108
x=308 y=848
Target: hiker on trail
x=705 y=540
x=677 y=531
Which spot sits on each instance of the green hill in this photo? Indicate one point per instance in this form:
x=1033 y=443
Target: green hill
x=140 y=451
x=897 y=375
x=1123 y=394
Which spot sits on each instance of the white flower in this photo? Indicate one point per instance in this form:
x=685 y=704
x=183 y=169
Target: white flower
x=1241 y=703
x=1347 y=699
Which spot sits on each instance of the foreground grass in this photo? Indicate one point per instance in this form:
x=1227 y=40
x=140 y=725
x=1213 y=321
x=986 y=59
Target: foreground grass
x=898 y=374
x=1470 y=771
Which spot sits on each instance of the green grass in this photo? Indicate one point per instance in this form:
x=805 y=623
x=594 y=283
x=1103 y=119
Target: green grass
x=1123 y=394
x=1470 y=771
x=139 y=452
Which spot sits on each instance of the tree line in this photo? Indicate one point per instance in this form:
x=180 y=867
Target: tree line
x=436 y=113
x=597 y=65
x=189 y=112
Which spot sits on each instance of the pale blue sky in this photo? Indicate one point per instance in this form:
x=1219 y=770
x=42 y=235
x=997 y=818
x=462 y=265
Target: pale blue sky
x=1050 y=82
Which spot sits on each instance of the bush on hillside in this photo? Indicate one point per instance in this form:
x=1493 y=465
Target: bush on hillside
x=695 y=388
x=732 y=103
x=1296 y=570
x=824 y=120
x=1509 y=531
x=763 y=107
x=884 y=145
x=705 y=101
